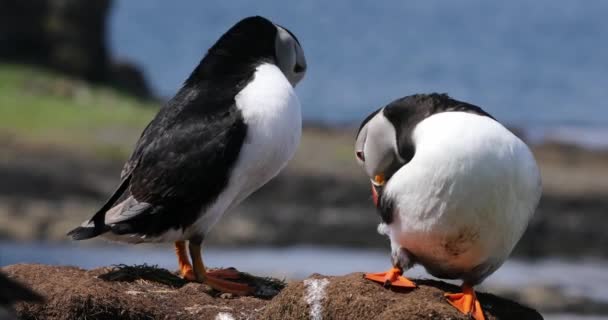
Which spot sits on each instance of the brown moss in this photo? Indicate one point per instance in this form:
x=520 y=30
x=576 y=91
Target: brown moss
x=143 y=292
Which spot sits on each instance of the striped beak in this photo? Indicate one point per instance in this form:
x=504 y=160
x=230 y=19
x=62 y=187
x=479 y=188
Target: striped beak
x=377 y=184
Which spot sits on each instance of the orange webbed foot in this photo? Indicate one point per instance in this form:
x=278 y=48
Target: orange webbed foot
x=236 y=288
x=228 y=273
x=187 y=274
x=216 y=279
x=466 y=302
x=391 y=278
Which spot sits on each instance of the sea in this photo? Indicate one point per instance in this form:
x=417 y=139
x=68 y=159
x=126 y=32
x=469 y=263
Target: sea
x=537 y=65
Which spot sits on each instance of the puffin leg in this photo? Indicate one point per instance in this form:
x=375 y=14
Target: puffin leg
x=211 y=280
x=391 y=278
x=183 y=261
x=401 y=259
x=466 y=302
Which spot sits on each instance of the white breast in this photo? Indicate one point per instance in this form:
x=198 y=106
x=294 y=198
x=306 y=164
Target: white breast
x=272 y=113
x=468 y=193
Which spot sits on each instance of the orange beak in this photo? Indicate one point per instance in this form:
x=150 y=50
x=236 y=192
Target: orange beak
x=377 y=185
x=375 y=195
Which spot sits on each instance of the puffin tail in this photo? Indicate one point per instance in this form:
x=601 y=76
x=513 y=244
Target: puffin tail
x=86 y=232
x=96 y=225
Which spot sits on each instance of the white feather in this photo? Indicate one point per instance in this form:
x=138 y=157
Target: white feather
x=470 y=178
x=272 y=113
x=271 y=110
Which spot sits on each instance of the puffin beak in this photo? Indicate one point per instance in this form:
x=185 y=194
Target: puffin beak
x=298 y=68
x=377 y=184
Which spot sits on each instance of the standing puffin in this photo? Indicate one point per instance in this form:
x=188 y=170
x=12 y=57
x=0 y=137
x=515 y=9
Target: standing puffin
x=232 y=127
x=454 y=188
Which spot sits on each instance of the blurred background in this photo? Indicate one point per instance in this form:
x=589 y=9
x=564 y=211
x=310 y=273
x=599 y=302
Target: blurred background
x=79 y=80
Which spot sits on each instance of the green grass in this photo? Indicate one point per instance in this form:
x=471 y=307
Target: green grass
x=42 y=107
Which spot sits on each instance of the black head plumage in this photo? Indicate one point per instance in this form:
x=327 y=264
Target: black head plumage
x=249 y=42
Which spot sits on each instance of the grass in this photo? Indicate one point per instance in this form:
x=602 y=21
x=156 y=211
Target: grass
x=41 y=107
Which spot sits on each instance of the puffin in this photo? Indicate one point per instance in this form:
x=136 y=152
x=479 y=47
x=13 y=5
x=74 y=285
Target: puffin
x=233 y=126
x=454 y=188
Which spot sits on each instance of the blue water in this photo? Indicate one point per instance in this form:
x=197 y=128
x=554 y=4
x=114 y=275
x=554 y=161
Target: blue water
x=529 y=63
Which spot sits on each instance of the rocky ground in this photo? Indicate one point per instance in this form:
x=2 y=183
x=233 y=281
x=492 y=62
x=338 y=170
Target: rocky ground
x=322 y=198
x=147 y=293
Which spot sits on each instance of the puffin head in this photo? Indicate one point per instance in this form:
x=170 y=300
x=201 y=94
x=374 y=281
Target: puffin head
x=377 y=152
x=289 y=55
x=249 y=43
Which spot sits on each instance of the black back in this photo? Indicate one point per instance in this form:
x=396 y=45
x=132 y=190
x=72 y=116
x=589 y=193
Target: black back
x=407 y=112
x=184 y=157
x=237 y=52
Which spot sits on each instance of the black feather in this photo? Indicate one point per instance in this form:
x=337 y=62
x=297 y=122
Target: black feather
x=99 y=227
x=184 y=157
x=385 y=209
x=407 y=112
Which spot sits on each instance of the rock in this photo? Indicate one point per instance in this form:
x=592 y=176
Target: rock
x=12 y=292
x=126 y=293
x=68 y=36
x=127 y=77
x=351 y=297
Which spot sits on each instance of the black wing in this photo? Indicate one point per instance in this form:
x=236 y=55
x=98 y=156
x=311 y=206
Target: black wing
x=407 y=112
x=180 y=164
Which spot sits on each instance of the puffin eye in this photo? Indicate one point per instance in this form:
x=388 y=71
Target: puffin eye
x=360 y=155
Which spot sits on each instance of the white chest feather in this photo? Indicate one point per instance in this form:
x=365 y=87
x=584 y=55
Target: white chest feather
x=274 y=125
x=271 y=111
x=468 y=193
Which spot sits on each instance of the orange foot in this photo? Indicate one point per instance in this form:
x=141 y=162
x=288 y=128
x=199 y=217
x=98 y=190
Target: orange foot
x=228 y=273
x=187 y=273
x=391 y=278
x=216 y=280
x=185 y=268
x=236 y=288
x=466 y=302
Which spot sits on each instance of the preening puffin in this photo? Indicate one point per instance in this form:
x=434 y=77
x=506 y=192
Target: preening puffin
x=454 y=188
x=233 y=125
